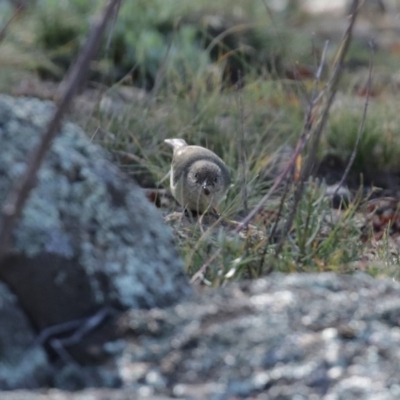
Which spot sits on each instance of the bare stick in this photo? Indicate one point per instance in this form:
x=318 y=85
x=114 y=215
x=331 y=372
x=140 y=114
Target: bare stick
x=361 y=127
x=312 y=129
x=241 y=147
x=318 y=74
x=18 y=196
x=321 y=64
x=330 y=92
x=308 y=125
x=319 y=112
x=3 y=30
x=279 y=180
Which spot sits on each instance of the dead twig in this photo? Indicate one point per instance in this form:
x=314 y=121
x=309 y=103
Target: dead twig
x=318 y=112
x=314 y=123
x=241 y=147
x=361 y=127
x=19 y=194
x=3 y=30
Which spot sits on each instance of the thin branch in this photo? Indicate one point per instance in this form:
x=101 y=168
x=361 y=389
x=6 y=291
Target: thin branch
x=319 y=113
x=321 y=64
x=330 y=92
x=316 y=97
x=241 y=147
x=361 y=127
x=3 y=30
x=19 y=194
x=312 y=129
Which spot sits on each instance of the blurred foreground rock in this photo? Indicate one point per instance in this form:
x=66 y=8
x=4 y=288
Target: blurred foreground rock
x=22 y=364
x=88 y=236
x=299 y=336
x=89 y=240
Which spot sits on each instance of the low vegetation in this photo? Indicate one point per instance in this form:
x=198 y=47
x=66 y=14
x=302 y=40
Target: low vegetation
x=236 y=80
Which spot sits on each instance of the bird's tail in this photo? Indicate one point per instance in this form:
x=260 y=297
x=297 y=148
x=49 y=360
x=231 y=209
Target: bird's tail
x=175 y=143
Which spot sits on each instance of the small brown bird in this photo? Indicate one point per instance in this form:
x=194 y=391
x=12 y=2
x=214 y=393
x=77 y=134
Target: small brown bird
x=199 y=178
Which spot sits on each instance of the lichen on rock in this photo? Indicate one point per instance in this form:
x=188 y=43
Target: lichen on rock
x=88 y=236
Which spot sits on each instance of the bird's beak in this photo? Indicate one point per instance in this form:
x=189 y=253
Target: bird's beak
x=206 y=190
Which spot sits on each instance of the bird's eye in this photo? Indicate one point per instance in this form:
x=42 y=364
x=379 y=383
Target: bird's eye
x=216 y=179
x=196 y=175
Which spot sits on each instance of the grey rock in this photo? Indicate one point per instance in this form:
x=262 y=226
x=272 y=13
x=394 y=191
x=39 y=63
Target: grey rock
x=88 y=237
x=300 y=336
x=22 y=363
